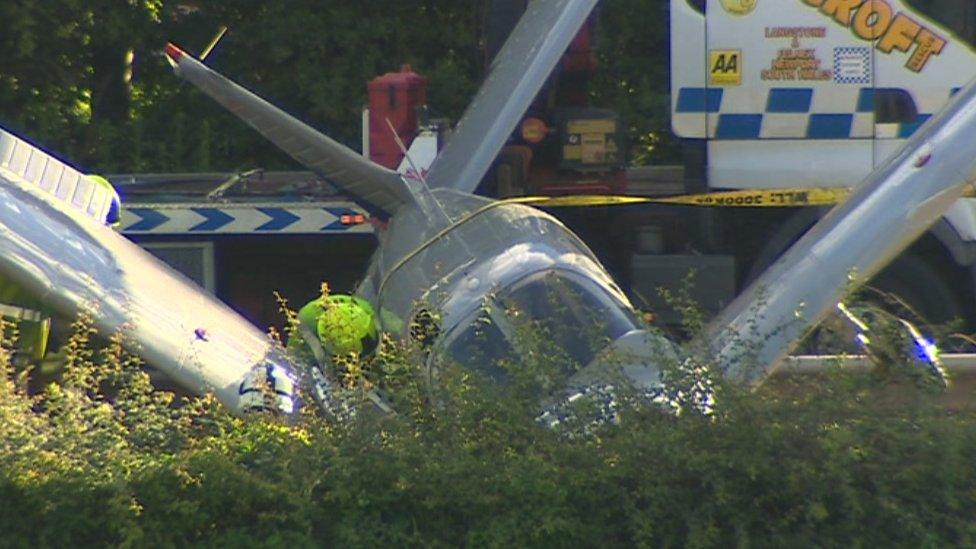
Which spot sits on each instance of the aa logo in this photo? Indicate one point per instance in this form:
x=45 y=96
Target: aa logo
x=725 y=67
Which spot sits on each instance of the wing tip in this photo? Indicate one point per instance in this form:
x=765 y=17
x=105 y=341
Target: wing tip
x=174 y=53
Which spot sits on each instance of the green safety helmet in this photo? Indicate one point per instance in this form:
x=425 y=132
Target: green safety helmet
x=114 y=214
x=346 y=325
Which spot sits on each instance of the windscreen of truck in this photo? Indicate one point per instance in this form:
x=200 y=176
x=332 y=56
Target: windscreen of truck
x=957 y=16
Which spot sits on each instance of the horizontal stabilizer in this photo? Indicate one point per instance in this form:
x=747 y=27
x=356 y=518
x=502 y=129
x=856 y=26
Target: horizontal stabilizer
x=25 y=162
x=374 y=186
x=516 y=76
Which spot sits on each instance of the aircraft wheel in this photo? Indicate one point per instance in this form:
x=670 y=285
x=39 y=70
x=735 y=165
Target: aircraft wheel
x=921 y=290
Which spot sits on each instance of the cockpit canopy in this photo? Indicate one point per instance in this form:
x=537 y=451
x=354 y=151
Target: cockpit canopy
x=556 y=315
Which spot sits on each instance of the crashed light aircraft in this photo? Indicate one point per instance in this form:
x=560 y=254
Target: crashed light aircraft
x=448 y=250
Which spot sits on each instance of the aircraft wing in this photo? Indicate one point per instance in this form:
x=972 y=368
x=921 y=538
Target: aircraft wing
x=374 y=186
x=516 y=76
x=55 y=244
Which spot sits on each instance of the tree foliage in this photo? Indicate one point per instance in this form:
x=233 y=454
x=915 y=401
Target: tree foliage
x=634 y=49
x=88 y=79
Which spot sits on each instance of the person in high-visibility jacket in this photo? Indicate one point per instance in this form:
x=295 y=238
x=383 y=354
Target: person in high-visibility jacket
x=341 y=324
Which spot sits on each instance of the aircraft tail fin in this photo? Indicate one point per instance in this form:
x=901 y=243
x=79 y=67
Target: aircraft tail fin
x=374 y=186
x=21 y=160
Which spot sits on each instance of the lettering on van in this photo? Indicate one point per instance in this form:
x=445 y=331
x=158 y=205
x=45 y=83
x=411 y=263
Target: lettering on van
x=876 y=21
x=796 y=33
x=782 y=197
x=796 y=63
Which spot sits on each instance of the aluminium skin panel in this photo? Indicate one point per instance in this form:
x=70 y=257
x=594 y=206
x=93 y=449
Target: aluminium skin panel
x=76 y=264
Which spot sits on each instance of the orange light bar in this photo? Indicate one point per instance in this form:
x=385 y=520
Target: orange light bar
x=352 y=219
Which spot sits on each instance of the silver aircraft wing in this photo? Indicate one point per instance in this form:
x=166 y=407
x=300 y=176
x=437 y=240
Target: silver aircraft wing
x=374 y=186
x=515 y=77
x=888 y=211
x=55 y=244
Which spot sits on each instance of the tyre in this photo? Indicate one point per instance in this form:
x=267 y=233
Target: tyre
x=914 y=287
x=909 y=288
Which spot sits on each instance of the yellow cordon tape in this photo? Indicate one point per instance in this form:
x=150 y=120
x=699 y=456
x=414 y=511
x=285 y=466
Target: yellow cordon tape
x=769 y=198
x=766 y=198
x=756 y=198
x=578 y=200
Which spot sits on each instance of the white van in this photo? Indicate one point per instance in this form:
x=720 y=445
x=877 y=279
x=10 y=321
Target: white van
x=816 y=93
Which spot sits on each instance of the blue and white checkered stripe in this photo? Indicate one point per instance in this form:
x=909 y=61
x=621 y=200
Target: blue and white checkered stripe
x=791 y=113
x=274 y=218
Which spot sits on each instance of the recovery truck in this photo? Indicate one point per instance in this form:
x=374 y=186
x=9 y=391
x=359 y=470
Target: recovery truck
x=807 y=94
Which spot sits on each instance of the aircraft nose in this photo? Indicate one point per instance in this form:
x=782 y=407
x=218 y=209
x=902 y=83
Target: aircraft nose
x=634 y=360
x=638 y=356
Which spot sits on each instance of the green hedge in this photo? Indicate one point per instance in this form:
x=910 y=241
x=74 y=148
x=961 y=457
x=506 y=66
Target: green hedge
x=844 y=460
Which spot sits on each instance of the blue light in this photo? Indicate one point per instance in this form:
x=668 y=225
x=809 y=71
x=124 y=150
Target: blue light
x=926 y=350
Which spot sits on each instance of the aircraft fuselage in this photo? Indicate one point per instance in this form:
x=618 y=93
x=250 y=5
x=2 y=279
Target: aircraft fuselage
x=494 y=267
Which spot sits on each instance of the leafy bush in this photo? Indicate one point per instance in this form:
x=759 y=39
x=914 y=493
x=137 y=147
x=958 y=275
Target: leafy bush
x=839 y=460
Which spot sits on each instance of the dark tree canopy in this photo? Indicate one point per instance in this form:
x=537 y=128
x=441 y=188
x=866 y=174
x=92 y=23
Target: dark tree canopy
x=87 y=79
